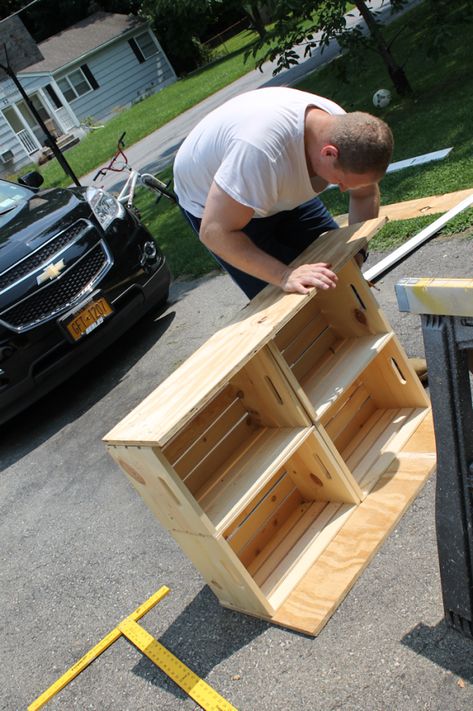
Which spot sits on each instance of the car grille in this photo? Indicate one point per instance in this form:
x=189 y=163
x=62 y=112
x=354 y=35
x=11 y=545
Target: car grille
x=63 y=292
x=43 y=254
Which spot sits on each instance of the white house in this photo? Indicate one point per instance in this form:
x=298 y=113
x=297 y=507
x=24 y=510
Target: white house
x=88 y=72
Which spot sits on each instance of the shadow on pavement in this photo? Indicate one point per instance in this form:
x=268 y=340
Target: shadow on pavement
x=180 y=288
x=444 y=646
x=163 y=159
x=67 y=402
x=204 y=635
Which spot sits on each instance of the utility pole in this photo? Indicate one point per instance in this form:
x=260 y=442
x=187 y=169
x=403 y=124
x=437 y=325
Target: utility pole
x=50 y=140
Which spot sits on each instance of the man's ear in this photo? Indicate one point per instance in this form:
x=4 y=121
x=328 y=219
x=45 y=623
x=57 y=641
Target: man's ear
x=329 y=151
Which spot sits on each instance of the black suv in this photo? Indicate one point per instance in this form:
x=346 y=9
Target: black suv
x=77 y=269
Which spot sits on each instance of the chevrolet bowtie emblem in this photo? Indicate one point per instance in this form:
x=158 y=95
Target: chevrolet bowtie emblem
x=51 y=272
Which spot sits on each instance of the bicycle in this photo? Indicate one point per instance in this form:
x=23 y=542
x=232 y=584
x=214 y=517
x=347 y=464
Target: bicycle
x=147 y=180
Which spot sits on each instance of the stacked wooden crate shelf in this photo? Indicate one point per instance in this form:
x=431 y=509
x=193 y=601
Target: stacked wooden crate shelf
x=261 y=452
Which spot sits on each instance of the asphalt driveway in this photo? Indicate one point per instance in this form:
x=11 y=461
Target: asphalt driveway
x=80 y=551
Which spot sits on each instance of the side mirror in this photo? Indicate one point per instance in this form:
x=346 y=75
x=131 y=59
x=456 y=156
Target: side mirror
x=31 y=180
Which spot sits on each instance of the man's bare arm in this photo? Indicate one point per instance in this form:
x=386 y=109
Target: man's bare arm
x=221 y=231
x=364 y=204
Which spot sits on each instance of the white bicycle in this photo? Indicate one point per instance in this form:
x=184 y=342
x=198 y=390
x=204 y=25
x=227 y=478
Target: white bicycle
x=119 y=163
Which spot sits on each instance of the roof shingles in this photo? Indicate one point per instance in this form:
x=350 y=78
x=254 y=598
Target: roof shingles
x=81 y=39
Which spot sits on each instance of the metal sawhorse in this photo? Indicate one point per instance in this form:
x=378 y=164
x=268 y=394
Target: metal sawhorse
x=446 y=310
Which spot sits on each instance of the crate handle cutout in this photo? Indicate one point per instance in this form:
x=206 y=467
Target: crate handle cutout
x=169 y=491
x=274 y=390
x=316 y=479
x=398 y=371
x=131 y=472
x=359 y=299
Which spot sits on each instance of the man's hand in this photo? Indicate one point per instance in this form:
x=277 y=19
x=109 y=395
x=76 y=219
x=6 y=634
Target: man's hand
x=221 y=231
x=303 y=278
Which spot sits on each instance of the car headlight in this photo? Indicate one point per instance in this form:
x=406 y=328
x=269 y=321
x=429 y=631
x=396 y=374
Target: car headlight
x=105 y=207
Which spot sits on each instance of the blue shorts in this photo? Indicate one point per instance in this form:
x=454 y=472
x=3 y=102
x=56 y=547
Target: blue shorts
x=284 y=236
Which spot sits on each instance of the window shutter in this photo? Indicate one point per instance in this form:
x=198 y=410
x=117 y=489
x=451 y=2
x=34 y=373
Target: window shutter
x=53 y=96
x=89 y=76
x=137 y=51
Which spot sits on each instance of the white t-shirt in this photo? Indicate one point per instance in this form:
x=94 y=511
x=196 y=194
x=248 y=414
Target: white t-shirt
x=253 y=147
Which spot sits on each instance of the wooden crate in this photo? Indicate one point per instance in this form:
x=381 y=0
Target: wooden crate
x=282 y=452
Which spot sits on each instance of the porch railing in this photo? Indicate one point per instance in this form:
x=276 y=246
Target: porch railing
x=27 y=141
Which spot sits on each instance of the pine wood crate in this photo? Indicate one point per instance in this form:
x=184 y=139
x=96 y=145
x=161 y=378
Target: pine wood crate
x=283 y=451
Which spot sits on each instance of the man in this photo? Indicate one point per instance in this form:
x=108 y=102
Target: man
x=248 y=174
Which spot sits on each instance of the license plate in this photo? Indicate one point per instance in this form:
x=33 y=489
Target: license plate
x=82 y=322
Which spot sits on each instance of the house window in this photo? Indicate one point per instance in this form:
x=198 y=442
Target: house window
x=143 y=46
x=77 y=83
x=39 y=106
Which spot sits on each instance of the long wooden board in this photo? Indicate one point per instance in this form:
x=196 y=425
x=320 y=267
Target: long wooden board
x=316 y=597
x=408 y=209
x=436 y=295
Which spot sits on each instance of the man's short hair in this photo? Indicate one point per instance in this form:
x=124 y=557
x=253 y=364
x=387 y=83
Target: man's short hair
x=365 y=142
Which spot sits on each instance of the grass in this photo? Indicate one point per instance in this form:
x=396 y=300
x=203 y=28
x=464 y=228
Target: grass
x=438 y=115
x=185 y=254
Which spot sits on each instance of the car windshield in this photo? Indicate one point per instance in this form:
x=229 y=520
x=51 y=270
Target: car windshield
x=11 y=197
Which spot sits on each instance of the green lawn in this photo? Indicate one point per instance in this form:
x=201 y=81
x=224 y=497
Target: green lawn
x=438 y=115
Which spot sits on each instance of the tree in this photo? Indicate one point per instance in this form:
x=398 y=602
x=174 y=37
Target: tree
x=258 y=14
x=446 y=16
x=179 y=26
x=296 y=23
x=376 y=38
